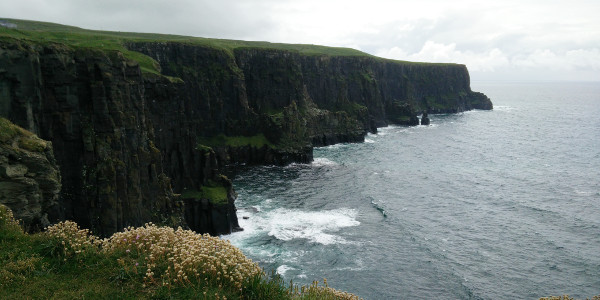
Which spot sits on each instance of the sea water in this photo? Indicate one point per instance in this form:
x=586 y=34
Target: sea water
x=478 y=205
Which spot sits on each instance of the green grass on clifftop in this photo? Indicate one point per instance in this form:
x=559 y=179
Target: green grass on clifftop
x=44 y=32
x=108 y=39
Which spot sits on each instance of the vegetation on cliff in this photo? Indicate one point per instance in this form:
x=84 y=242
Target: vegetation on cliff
x=79 y=37
x=66 y=262
x=9 y=132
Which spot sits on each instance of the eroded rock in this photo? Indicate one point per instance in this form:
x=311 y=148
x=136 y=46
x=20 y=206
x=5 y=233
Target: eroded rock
x=30 y=180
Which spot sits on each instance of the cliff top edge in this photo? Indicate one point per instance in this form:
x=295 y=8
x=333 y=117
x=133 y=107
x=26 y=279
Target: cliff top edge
x=45 y=32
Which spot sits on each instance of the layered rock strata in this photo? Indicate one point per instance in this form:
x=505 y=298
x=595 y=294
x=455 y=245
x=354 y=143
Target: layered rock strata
x=136 y=146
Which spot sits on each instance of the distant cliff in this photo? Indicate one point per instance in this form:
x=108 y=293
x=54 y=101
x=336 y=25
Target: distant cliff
x=141 y=132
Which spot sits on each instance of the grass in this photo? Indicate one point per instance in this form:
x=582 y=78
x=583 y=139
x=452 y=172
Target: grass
x=215 y=193
x=25 y=139
x=149 y=262
x=8 y=130
x=44 y=33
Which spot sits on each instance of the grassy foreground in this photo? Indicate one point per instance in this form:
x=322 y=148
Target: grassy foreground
x=149 y=262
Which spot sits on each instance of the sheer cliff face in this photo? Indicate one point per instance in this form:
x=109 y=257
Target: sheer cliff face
x=257 y=82
x=91 y=105
x=123 y=139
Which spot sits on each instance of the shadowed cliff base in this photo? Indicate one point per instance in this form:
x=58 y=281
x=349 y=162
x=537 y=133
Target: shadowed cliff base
x=143 y=124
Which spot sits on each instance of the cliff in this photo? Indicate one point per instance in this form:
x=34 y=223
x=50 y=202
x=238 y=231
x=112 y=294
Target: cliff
x=142 y=124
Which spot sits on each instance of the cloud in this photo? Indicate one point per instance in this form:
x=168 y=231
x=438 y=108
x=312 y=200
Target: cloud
x=531 y=37
x=578 y=59
x=431 y=51
x=540 y=63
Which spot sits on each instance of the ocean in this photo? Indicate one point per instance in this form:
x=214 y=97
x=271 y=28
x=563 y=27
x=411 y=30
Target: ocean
x=478 y=205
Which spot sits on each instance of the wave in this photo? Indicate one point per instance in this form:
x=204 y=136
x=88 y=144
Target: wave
x=334 y=146
x=379 y=208
x=316 y=226
x=322 y=161
x=504 y=108
x=281 y=270
x=586 y=193
x=290 y=224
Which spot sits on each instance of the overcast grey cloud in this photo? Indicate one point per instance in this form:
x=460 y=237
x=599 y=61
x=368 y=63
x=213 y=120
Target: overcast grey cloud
x=520 y=40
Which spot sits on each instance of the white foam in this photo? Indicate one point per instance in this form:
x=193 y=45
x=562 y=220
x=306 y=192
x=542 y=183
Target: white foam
x=317 y=226
x=322 y=161
x=289 y=224
x=334 y=146
x=369 y=141
x=384 y=130
x=504 y=108
x=284 y=268
x=585 y=193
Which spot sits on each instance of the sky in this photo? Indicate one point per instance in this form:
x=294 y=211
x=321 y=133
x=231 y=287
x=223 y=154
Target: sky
x=496 y=40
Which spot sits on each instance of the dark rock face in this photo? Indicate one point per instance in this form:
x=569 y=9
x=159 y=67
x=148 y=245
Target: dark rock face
x=202 y=215
x=128 y=143
x=29 y=176
x=300 y=100
x=91 y=105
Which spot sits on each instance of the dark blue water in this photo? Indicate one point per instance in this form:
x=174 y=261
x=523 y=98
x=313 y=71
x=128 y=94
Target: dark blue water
x=479 y=205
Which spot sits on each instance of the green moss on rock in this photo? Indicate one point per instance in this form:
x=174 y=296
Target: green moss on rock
x=216 y=194
x=25 y=139
x=7 y=130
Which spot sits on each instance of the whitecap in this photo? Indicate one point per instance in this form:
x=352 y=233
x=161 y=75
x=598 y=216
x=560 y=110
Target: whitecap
x=283 y=268
x=503 y=108
x=289 y=224
x=315 y=226
x=434 y=125
x=322 y=161
x=334 y=146
x=380 y=208
x=584 y=193
x=369 y=141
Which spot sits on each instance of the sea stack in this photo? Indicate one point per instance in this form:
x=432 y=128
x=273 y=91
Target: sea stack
x=424 y=118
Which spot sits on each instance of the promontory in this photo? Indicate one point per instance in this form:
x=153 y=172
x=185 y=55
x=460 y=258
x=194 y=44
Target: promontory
x=115 y=129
